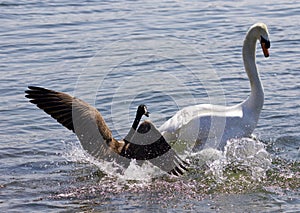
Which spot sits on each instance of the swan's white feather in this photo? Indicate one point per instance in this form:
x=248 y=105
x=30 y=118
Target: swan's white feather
x=185 y=115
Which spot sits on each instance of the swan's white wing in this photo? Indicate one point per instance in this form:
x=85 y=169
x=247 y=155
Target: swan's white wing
x=170 y=129
x=184 y=116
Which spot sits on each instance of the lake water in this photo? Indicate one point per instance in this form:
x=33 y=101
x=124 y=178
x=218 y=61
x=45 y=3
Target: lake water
x=166 y=54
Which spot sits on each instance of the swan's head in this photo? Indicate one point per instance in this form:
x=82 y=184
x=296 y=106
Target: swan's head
x=261 y=33
x=142 y=110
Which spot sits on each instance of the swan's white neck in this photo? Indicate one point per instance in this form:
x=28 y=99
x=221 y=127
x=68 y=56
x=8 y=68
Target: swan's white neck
x=256 y=99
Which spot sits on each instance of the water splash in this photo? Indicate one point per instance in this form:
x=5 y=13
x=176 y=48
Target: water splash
x=249 y=155
x=138 y=171
x=145 y=172
x=74 y=152
x=243 y=167
x=245 y=155
x=210 y=161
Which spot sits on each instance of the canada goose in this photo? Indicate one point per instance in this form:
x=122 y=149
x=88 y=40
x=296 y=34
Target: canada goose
x=96 y=138
x=195 y=123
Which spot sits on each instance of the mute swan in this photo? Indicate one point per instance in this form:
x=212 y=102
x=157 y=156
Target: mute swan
x=212 y=125
x=96 y=138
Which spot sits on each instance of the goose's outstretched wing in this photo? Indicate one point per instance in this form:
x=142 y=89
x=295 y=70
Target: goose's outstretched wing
x=76 y=115
x=156 y=149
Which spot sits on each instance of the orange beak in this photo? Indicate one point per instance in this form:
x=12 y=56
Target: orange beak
x=265 y=49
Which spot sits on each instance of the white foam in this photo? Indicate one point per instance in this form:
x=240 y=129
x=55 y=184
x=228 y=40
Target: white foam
x=244 y=154
x=144 y=172
x=249 y=155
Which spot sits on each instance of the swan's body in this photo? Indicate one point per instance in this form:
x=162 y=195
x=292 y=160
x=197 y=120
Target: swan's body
x=96 y=138
x=213 y=125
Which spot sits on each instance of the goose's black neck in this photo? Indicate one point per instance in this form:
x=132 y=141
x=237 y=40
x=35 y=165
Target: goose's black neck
x=134 y=126
x=137 y=120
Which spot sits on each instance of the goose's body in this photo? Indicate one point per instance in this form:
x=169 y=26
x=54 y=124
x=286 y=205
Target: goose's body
x=96 y=138
x=213 y=125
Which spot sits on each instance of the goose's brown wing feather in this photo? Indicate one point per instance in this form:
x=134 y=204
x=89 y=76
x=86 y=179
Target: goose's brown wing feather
x=56 y=104
x=76 y=115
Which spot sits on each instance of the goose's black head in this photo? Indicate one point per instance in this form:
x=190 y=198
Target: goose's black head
x=142 y=110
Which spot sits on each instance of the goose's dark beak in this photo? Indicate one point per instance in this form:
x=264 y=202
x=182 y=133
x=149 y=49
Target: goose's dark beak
x=147 y=114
